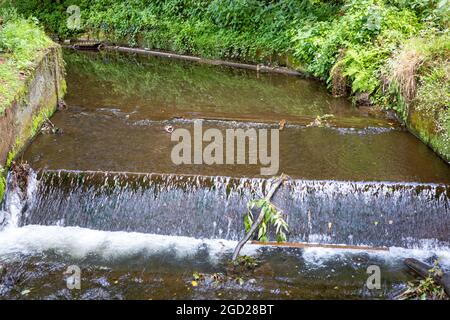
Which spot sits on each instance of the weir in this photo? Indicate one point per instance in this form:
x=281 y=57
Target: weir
x=104 y=194
x=408 y=215
x=355 y=179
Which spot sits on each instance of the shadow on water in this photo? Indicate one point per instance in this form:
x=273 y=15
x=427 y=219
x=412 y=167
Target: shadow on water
x=160 y=89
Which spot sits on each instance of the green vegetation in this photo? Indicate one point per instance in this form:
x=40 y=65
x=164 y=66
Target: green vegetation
x=268 y=215
x=21 y=40
x=243 y=29
x=2 y=182
x=271 y=216
x=356 y=46
x=425 y=289
x=38 y=119
x=420 y=89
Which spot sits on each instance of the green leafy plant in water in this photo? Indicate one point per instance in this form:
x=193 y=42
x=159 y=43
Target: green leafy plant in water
x=247 y=262
x=426 y=289
x=236 y=272
x=272 y=216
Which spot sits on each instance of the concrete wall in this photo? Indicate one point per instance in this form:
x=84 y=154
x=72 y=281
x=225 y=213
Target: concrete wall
x=34 y=102
x=423 y=125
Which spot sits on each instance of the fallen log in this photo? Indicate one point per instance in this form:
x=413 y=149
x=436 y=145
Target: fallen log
x=424 y=270
x=304 y=245
x=258 y=67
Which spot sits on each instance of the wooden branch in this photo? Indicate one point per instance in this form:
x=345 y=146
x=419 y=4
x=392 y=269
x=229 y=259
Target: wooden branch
x=423 y=270
x=318 y=245
x=258 y=221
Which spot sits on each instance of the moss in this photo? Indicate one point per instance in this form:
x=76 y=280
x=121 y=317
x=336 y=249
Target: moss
x=28 y=133
x=11 y=155
x=39 y=119
x=433 y=102
x=2 y=182
x=46 y=59
x=418 y=89
x=32 y=129
x=424 y=127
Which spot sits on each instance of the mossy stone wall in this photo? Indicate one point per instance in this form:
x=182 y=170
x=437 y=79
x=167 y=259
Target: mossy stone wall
x=35 y=102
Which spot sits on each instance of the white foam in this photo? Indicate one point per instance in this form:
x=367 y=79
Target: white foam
x=318 y=257
x=14 y=203
x=80 y=242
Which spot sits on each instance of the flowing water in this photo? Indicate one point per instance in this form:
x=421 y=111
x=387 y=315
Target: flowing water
x=104 y=194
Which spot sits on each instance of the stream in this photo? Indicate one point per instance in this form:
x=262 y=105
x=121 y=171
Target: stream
x=105 y=196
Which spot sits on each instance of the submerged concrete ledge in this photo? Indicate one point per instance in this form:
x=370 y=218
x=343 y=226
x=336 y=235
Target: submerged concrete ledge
x=34 y=102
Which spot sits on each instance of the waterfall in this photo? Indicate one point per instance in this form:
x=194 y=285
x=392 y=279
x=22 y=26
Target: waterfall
x=408 y=215
x=16 y=203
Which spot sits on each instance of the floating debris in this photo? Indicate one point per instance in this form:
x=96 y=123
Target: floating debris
x=49 y=128
x=168 y=128
x=61 y=105
x=25 y=292
x=434 y=285
x=321 y=121
x=20 y=173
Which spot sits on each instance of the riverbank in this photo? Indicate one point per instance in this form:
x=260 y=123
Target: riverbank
x=364 y=49
x=32 y=83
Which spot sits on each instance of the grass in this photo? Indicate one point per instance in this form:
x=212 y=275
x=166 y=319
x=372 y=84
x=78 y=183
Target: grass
x=417 y=57
x=418 y=79
x=21 y=41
